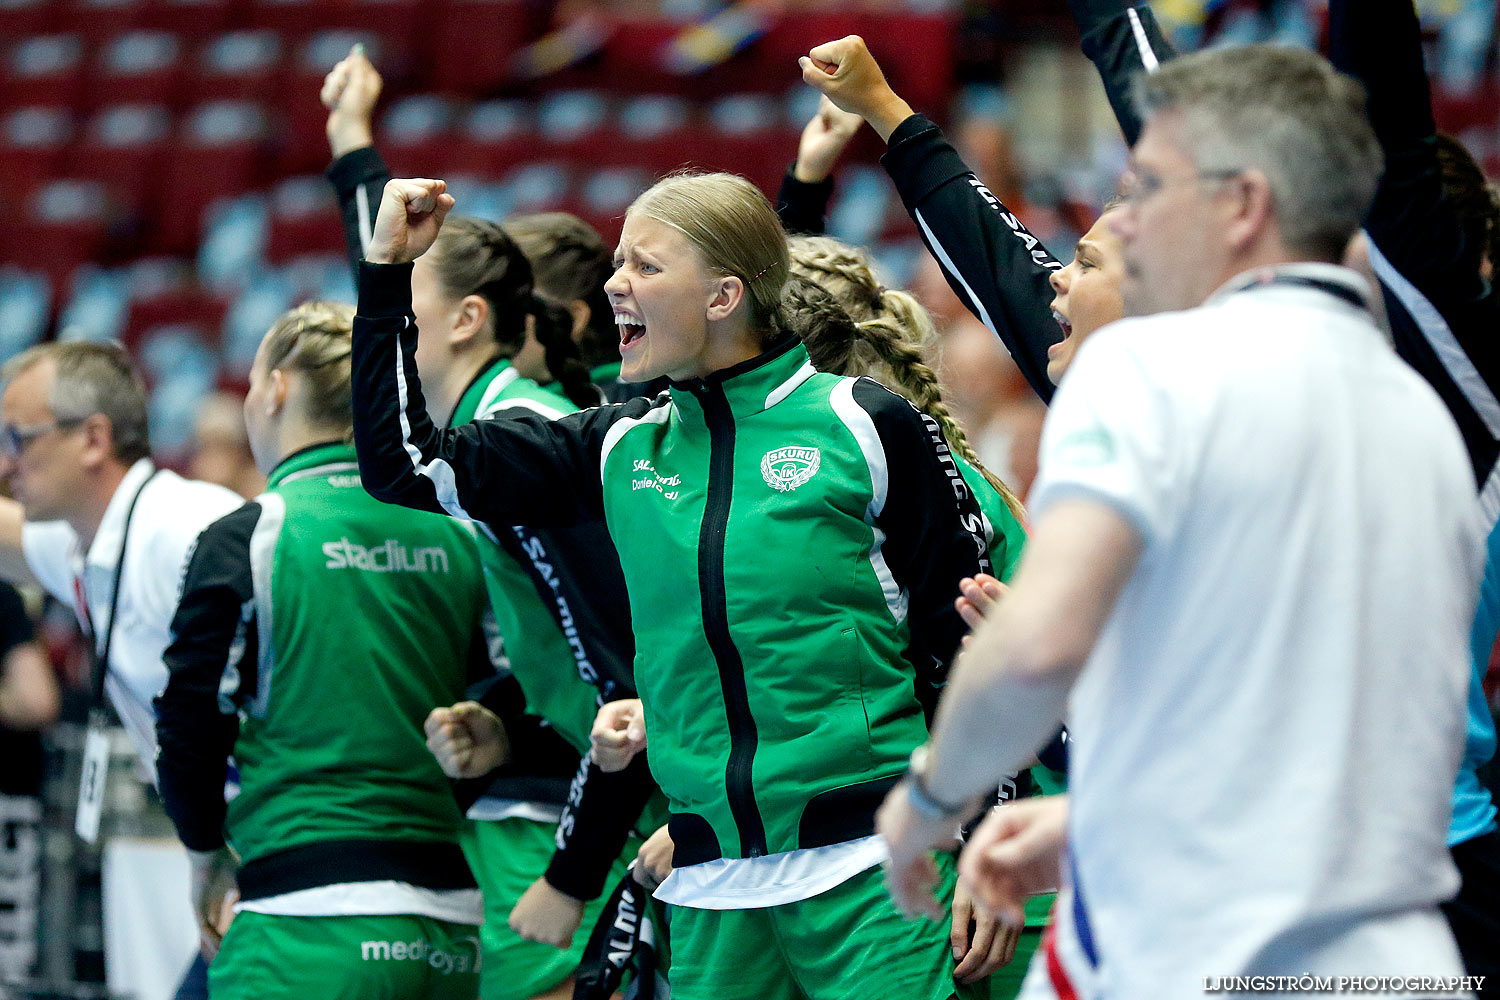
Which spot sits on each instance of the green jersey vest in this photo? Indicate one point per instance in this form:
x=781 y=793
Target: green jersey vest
x=366 y=615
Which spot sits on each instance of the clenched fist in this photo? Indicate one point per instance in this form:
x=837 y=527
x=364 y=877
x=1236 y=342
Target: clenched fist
x=411 y=214
x=468 y=740
x=848 y=75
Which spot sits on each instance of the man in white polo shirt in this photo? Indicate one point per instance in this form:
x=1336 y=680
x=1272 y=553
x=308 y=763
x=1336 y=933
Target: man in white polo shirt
x=1249 y=584
x=75 y=448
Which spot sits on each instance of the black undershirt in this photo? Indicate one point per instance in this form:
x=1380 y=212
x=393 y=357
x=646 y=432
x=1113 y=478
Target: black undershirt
x=20 y=752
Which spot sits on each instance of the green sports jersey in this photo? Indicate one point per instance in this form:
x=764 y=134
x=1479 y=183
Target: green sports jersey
x=317 y=629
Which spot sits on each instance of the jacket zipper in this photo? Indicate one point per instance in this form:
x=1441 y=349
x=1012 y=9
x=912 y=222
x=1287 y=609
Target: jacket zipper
x=742 y=733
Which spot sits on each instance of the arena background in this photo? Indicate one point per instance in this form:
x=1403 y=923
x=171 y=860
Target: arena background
x=160 y=162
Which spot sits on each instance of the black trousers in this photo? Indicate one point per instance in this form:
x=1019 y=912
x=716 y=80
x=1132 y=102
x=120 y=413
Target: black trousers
x=1474 y=914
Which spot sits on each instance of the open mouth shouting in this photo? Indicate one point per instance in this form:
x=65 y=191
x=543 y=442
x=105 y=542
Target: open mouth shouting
x=1067 y=329
x=632 y=330
x=1062 y=321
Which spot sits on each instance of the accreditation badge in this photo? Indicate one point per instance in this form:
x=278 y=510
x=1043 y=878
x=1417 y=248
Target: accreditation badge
x=95 y=771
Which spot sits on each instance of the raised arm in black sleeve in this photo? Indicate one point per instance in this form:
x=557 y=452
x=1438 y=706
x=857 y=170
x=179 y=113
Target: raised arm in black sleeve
x=514 y=468
x=213 y=638
x=358 y=177
x=1121 y=39
x=998 y=270
x=1443 y=315
x=803 y=207
x=934 y=530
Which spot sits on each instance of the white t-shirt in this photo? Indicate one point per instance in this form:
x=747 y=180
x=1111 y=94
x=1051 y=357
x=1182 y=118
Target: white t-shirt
x=1265 y=738
x=168 y=518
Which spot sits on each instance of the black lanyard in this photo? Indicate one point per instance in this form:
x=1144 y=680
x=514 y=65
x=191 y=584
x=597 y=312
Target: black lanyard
x=1334 y=288
x=101 y=659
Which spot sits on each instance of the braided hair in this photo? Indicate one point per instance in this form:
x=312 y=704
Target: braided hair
x=853 y=325
x=314 y=340
x=475 y=257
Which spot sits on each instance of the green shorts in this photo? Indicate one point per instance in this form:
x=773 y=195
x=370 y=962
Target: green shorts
x=850 y=941
x=506 y=856
x=266 y=957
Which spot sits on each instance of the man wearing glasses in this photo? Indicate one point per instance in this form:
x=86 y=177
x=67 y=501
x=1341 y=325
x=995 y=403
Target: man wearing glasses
x=1248 y=588
x=95 y=522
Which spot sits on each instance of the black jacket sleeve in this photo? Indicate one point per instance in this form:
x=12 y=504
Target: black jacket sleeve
x=514 y=468
x=15 y=624
x=214 y=649
x=1121 y=39
x=998 y=270
x=358 y=177
x=803 y=207
x=933 y=527
x=1412 y=221
x=601 y=810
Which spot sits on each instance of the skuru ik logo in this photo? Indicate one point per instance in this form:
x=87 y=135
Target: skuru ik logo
x=785 y=469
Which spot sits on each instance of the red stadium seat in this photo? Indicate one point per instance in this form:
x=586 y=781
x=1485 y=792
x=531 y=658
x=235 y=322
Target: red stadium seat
x=495 y=137
x=44 y=70
x=416 y=135
x=140 y=67
x=304 y=220
x=101 y=20
x=193 y=19
x=575 y=125
x=238 y=66
x=123 y=147
x=32 y=141
x=67 y=224
x=654 y=132
x=219 y=151
x=187 y=305
x=292 y=18
x=472 y=44
x=19 y=18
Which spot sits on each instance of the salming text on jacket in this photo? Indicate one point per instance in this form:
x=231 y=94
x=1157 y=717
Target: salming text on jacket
x=791 y=542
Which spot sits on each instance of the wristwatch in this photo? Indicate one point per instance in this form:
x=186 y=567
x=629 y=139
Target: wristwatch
x=923 y=801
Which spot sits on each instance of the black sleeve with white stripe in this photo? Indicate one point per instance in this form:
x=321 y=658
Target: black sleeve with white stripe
x=933 y=527
x=601 y=810
x=213 y=638
x=1420 y=233
x=358 y=177
x=1121 y=39
x=998 y=269
x=516 y=467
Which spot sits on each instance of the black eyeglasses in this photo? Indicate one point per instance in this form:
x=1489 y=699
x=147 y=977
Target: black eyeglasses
x=15 y=440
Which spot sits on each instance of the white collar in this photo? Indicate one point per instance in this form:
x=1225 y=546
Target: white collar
x=105 y=549
x=1266 y=276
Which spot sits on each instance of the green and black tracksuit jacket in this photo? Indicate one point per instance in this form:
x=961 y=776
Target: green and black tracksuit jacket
x=316 y=630
x=792 y=544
